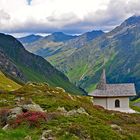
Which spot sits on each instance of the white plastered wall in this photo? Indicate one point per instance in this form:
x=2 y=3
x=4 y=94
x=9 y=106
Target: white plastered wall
x=100 y=101
x=124 y=103
x=109 y=103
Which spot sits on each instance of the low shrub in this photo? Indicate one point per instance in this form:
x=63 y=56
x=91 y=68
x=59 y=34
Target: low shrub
x=32 y=119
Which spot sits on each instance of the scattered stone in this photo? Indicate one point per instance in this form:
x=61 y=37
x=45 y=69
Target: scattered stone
x=50 y=138
x=72 y=112
x=62 y=109
x=78 y=111
x=3 y=101
x=47 y=135
x=116 y=127
x=19 y=99
x=14 y=112
x=22 y=98
x=9 y=86
x=39 y=91
x=46 y=84
x=82 y=111
x=71 y=97
x=29 y=101
x=59 y=88
x=28 y=138
x=6 y=127
x=53 y=91
x=91 y=100
x=32 y=107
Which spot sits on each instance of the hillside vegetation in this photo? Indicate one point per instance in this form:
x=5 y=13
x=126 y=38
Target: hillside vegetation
x=7 y=84
x=83 y=58
x=117 y=50
x=24 y=66
x=52 y=113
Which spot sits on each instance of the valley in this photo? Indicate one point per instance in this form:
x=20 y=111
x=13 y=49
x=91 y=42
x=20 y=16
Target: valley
x=24 y=66
x=83 y=58
x=69 y=70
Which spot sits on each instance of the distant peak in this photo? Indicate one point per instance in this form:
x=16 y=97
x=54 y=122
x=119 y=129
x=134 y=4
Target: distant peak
x=31 y=35
x=133 y=20
x=58 y=33
x=100 y=31
x=95 y=32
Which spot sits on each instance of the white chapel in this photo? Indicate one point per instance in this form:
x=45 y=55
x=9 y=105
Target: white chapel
x=113 y=96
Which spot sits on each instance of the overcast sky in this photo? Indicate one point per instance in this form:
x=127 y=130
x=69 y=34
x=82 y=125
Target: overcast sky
x=69 y=16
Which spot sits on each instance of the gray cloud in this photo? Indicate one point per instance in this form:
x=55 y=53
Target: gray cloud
x=4 y=16
x=115 y=13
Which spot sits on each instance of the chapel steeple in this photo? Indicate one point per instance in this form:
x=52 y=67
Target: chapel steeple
x=102 y=83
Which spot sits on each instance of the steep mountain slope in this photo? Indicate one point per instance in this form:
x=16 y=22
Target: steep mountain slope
x=7 y=84
x=119 y=49
x=81 y=40
x=61 y=117
x=32 y=67
x=29 y=39
x=9 y=68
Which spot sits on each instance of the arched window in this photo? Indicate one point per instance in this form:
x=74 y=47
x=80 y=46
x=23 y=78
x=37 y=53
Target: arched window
x=117 y=103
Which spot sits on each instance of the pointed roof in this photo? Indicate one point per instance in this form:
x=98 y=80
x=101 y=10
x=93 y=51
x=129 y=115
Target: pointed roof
x=102 y=84
x=113 y=90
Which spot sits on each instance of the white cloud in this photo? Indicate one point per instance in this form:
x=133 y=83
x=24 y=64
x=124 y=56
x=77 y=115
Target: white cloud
x=75 y=16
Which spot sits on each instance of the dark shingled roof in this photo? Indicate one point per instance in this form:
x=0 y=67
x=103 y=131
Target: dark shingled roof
x=113 y=90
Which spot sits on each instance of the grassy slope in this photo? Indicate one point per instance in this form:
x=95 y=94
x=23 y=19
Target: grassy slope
x=54 y=81
x=7 y=84
x=95 y=126
x=121 y=48
x=134 y=104
x=34 y=67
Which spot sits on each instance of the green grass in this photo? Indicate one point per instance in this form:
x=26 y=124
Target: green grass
x=78 y=72
x=136 y=108
x=96 y=125
x=18 y=134
x=7 y=84
x=55 y=80
x=91 y=88
x=59 y=57
x=32 y=75
x=133 y=106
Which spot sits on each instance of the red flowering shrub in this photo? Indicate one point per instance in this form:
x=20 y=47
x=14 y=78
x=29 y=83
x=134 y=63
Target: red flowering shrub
x=3 y=116
x=31 y=118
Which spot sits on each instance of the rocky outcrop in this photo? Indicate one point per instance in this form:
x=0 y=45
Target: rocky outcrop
x=116 y=127
x=14 y=112
x=9 y=67
x=47 y=135
x=72 y=112
x=32 y=107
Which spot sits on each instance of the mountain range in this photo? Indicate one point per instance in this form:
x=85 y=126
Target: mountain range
x=22 y=66
x=36 y=100
x=30 y=38
x=83 y=58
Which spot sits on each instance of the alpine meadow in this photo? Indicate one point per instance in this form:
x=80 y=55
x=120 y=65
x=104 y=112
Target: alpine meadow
x=69 y=70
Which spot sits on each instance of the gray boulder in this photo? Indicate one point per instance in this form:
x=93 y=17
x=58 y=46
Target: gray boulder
x=32 y=107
